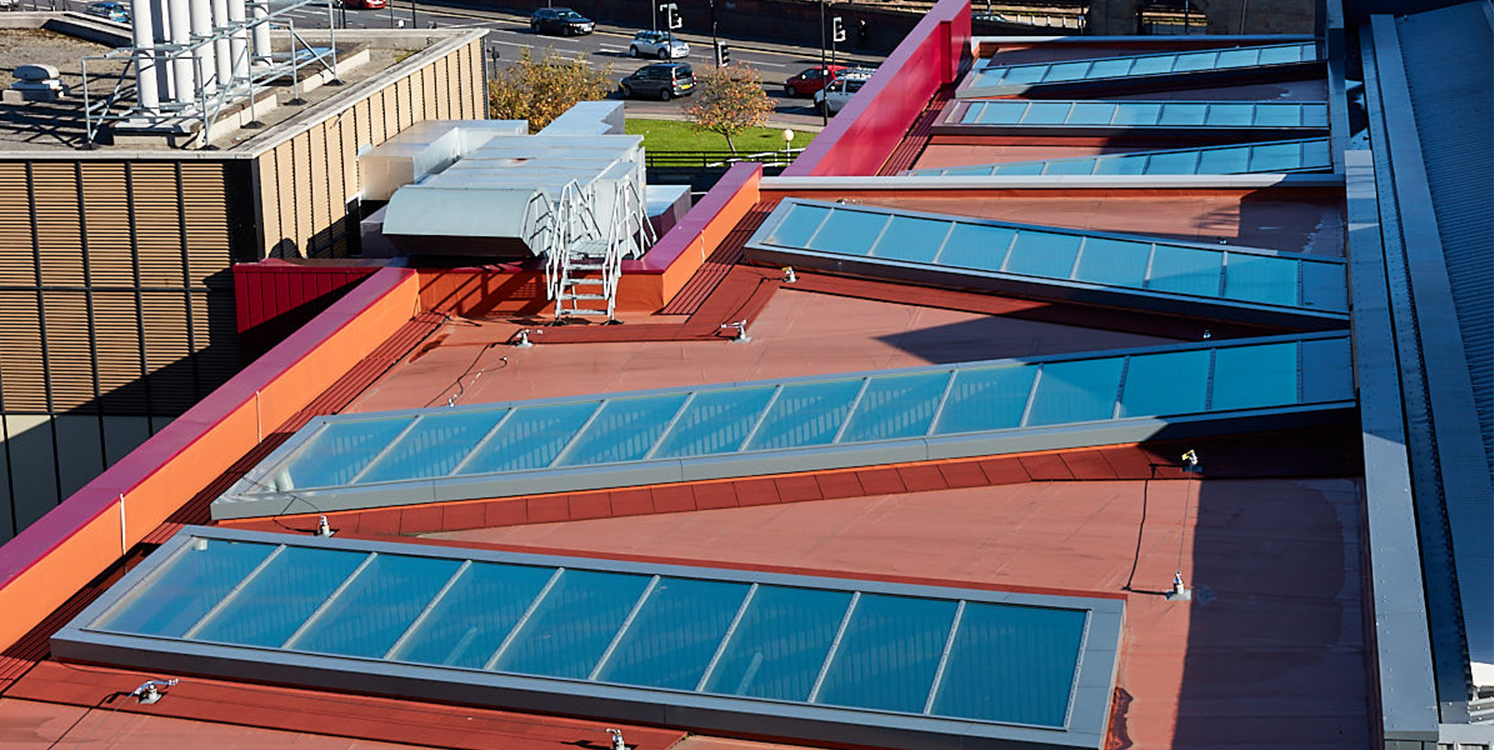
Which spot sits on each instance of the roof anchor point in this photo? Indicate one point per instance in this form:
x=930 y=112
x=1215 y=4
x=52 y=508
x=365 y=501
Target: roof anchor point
x=152 y=691
x=788 y=275
x=1180 y=591
x=323 y=529
x=741 y=335
x=616 y=740
x=523 y=339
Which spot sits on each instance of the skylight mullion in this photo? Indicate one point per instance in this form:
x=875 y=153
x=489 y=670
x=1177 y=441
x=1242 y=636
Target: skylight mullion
x=1088 y=621
x=681 y=410
x=416 y=624
x=734 y=625
x=1077 y=258
x=515 y=629
x=937 y=677
x=853 y=407
x=761 y=419
x=813 y=235
x=312 y=619
x=1120 y=392
x=1150 y=266
x=833 y=649
x=233 y=594
x=1024 y=112
x=937 y=412
x=383 y=451
x=482 y=442
x=1015 y=239
x=1208 y=389
x=1198 y=157
x=614 y=643
x=1036 y=379
x=949 y=234
x=578 y=435
x=878 y=235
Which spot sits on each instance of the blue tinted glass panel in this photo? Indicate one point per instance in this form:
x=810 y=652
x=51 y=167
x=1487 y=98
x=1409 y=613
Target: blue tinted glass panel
x=992 y=398
x=1001 y=113
x=675 y=634
x=625 y=430
x=1011 y=664
x=896 y=407
x=377 y=607
x=1276 y=157
x=276 y=602
x=1246 y=377
x=530 y=439
x=889 y=653
x=469 y=623
x=1224 y=161
x=715 y=422
x=433 y=447
x=1116 y=262
x=1091 y=113
x=1181 y=162
x=796 y=229
x=1070 y=166
x=1324 y=286
x=185 y=589
x=1047 y=113
x=805 y=414
x=1316 y=154
x=1137 y=114
x=1082 y=391
x=976 y=246
x=1135 y=164
x=961 y=171
x=1238 y=58
x=1030 y=167
x=851 y=232
x=1110 y=68
x=1188 y=113
x=1283 y=54
x=1255 y=278
x=1327 y=373
x=1071 y=71
x=1195 y=61
x=780 y=644
x=340 y=450
x=573 y=625
x=1185 y=271
x=911 y=239
x=1151 y=65
x=1043 y=254
x=1278 y=115
x=1165 y=384
x=1240 y=115
x=1023 y=74
x=1314 y=115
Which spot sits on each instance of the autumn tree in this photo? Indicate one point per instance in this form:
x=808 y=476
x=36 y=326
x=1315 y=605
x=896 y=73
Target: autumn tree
x=539 y=90
x=728 y=101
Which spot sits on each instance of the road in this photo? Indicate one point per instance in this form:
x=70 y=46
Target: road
x=607 y=47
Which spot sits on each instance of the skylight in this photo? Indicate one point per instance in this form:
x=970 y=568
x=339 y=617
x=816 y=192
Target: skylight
x=1304 y=155
x=798 y=424
x=1236 y=283
x=998 y=80
x=1088 y=116
x=822 y=658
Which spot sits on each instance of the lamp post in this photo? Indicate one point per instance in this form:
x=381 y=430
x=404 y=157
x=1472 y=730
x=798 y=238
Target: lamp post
x=823 y=56
x=787 y=135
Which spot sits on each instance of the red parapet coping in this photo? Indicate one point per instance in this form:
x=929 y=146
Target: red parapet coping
x=689 y=233
x=59 y=553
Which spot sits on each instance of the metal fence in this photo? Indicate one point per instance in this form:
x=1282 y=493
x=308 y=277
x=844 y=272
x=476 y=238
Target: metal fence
x=716 y=159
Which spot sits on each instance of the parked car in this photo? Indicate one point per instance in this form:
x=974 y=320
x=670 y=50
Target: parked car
x=364 y=4
x=812 y=80
x=111 y=11
x=562 y=21
x=660 y=81
x=659 y=44
x=835 y=95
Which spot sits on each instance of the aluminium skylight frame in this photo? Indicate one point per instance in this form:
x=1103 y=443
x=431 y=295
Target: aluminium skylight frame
x=823 y=422
x=1186 y=67
x=1098 y=117
x=89 y=637
x=1312 y=309
x=1313 y=155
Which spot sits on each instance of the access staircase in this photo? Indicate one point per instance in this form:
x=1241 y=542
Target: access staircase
x=584 y=259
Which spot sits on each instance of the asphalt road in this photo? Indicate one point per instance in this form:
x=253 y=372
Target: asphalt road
x=607 y=47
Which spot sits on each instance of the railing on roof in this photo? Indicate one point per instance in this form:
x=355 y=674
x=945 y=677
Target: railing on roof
x=717 y=159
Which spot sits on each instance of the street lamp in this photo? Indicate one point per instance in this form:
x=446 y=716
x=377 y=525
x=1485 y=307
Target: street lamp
x=823 y=56
x=787 y=135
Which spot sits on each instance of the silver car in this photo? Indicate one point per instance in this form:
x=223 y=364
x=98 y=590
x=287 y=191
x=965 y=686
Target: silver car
x=658 y=44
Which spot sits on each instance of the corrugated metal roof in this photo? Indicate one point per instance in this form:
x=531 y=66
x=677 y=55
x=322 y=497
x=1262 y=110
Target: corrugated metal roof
x=1449 y=58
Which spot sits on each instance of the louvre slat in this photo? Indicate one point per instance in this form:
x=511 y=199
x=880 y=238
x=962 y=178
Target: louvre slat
x=21 y=369
x=118 y=334
x=69 y=354
x=106 y=209
x=55 y=186
x=16 y=265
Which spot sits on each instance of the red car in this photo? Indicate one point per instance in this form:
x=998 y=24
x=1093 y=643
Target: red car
x=811 y=80
x=366 y=4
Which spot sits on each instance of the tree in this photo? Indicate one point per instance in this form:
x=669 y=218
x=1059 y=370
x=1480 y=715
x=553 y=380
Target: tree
x=537 y=91
x=728 y=101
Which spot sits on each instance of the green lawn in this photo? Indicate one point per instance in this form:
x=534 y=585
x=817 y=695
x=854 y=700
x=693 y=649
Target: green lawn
x=674 y=135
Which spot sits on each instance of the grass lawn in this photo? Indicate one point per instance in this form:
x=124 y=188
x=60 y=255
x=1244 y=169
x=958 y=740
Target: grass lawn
x=675 y=135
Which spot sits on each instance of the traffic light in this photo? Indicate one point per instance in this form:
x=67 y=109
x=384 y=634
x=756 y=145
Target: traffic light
x=721 y=54
x=838 y=28
x=674 y=19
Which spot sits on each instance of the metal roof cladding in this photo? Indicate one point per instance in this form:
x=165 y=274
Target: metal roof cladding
x=995 y=78
x=1303 y=155
x=823 y=658
x=799 y=424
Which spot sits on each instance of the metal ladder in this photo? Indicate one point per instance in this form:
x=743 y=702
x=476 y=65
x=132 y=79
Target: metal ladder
x=583 y=261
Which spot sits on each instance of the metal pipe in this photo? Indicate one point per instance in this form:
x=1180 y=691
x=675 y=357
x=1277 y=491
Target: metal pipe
x=146 y=93
x=200 y=15
x=180 y=33
x=261 y=37
x=222 y=60
x=239 y=43
x=161 y=34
